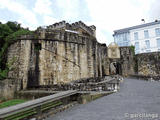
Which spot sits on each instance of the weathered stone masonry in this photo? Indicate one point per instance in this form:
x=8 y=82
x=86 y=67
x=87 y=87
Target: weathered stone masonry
x=62 y=56
x=127 y=61
x=148 y=64
x=62 y=53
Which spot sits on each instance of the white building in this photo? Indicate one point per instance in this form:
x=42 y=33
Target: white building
x=145 y=37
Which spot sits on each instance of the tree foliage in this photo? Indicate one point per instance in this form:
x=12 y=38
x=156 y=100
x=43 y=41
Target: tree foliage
x=8 y=34
x=132 y=49
x=14 y=26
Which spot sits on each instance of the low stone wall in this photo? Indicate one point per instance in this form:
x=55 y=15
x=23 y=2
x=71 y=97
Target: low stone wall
x=144 y=77
x=148 y=64
x=7 y=89
x=30 y=95
x=107 y=83
x=85 y=98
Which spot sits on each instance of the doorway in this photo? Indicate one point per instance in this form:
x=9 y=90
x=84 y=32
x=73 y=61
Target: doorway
x=115 y=68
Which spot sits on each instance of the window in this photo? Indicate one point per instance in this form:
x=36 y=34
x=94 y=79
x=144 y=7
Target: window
x=136 y=45
x=157 y=31
x=115 y=38
x=125 y=44
x=136 y=36
x=158 y=42
x=147 y=43
x=125 y=37
x=120 y=37
x=148 y=50
x=146 y=34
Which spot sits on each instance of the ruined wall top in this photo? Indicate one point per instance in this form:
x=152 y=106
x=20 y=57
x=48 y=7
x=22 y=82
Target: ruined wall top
x=59 y=25
x=76 y=32
x=74 y=27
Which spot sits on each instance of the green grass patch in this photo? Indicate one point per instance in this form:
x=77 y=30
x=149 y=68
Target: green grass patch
x=21 y=115
x=29 y=112
x=11 y=103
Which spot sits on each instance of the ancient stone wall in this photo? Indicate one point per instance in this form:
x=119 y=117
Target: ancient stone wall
x=80 y=27
x=19 y=52
x=119 y=60
x=55 y=57
x=148 y=64
x=127 y=61
x=8 y=87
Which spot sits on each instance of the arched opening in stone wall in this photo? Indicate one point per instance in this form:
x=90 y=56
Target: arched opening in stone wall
x=118 y=68
x=115 y=68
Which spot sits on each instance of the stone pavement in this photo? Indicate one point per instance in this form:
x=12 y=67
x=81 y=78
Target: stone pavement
x=137 y=100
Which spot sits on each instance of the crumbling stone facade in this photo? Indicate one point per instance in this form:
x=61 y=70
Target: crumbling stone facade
x=54 y=56
x=120 y=60
x=148 y=64
x=61 y=53
x=127 y=61
x=7 y=89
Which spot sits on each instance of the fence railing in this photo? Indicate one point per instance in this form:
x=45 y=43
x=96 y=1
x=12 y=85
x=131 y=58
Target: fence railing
x=37 y=103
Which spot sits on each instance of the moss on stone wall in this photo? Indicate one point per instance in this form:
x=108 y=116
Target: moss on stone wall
x=132 y=48
x=4 y=67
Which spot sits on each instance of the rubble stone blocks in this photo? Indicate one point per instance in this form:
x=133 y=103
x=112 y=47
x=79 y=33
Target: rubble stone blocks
x=149 y=64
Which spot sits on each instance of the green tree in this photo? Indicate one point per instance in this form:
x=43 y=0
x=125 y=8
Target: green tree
x=5 y=30
x=14 y=26
x=8 y=34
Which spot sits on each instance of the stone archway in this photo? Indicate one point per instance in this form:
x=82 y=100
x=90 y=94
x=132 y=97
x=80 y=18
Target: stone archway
x=118 y=68
x=114 y=56
x=115 y=68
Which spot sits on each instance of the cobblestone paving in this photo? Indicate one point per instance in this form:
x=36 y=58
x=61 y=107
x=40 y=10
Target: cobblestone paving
x=136 y=100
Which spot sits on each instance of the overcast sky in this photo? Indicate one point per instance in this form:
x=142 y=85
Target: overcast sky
x=106 y=15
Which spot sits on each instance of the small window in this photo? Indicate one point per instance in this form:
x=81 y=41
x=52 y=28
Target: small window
x=158 y=42
x=146 y=34
x=147 y=43
x=136 y=36
x=136 y=45
x=37 y=46
x=157 y=31
x=125 y=37
x=148 y=50
x=125 y=44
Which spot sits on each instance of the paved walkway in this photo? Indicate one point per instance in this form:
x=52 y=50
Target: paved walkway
x=136 y=99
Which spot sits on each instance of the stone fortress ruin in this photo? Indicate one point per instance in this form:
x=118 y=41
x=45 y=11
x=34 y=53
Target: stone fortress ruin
x=66 y=64
x=66 y=56
x=63 y=52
